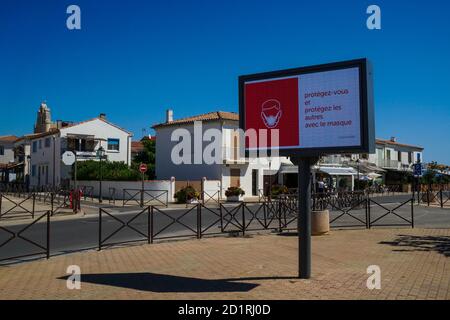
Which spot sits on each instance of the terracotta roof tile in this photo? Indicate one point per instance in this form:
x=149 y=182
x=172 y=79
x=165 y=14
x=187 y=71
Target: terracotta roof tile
x=136 y=146
x=394 y=143
x=8 y=138
x=211 y=116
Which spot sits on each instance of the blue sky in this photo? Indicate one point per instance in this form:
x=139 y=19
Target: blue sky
x=134 y=59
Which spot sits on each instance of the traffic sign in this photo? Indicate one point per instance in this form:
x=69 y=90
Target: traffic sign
x=68 y=158
x=418 y=170
x=143 y=168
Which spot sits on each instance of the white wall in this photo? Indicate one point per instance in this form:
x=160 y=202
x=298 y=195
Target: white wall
x=8 y=155
x=161 y=185
x=103 y=130
x=45 y=158
x=166 y=168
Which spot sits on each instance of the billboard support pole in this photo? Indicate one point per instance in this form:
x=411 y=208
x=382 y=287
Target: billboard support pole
x=304 y=215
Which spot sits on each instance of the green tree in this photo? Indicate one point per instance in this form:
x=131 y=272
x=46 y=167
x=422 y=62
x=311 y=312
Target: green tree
x=147 y=156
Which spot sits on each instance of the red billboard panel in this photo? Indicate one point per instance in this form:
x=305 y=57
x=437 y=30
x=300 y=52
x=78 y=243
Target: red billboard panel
x=272 y=105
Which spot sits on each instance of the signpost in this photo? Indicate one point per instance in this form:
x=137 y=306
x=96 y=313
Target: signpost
x=314 y=111
x=69 y=158
x=416 y=185
x=143 y=169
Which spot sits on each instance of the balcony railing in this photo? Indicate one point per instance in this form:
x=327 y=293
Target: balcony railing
x=388 y=163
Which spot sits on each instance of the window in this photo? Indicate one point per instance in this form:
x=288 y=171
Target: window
x=418 y=157
x=34 y=146
x=40 y=144
x=47 y=142
x=113 y=144
x=2 y=150
x=33 y=170
x=83 y=145
x=410 y=157
x=399 y=156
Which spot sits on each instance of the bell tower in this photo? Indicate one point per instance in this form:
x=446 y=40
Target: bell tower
x=44 y=121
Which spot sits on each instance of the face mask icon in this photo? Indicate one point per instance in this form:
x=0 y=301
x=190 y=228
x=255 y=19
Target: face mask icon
x=271 y=113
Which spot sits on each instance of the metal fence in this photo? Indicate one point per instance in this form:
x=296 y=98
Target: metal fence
x=433 y=195
x=145 y=197
x=391 y=212
x=43 y=249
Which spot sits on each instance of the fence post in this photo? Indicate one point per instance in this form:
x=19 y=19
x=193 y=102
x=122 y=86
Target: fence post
x=52 y=199
x=221 y=218
x=199 y=221
x=48 y=235
x=368 y=213
x=442 y=200
x=412 y=214
x=148 y=224
x=34 y=205
x=151 y=224
x=428 y=196
x=243 y=218
x=1 y=199
x=279 y=216
x=167 y=199
x=99 y=229
x=265 y=216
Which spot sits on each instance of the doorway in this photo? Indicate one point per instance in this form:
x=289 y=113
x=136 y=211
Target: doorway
x=235 y=175
x=254 y=182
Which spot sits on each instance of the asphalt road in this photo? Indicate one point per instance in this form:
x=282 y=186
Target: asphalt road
x=83 y=233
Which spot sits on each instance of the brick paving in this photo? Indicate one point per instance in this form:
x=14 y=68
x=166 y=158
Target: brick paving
x=414 y=264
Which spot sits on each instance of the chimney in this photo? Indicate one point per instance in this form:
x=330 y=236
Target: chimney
x=102 y=116
x=393 y=139
x=169 y=115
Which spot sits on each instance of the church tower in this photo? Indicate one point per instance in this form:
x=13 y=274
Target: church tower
x=44 y=121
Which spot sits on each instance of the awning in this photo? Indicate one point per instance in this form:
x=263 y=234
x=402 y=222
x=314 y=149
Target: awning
x=288 y=168
x=332 y=171
x=338 y=171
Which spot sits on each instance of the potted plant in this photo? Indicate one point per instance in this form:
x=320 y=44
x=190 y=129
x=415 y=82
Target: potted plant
x=234 y=194
x=187 y=195
x=279 y=190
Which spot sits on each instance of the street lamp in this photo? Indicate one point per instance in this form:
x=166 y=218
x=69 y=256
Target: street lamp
x=100 y=155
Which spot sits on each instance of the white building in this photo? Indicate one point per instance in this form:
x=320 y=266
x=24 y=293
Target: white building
x=254 y=175
x=7 y=158
x=232 y=170
x=84 y=139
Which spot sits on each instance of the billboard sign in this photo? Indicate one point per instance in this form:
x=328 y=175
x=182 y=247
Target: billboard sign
x=317 y=110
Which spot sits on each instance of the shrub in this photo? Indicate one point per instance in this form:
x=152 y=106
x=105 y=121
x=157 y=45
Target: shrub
x=279 y=189
x=186 y=194
x=234 y=191
x=113 y=171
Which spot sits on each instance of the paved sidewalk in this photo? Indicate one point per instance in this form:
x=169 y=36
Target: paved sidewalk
x=414 y=264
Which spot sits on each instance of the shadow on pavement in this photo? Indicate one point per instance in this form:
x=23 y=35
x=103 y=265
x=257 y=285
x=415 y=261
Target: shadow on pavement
x=165 y=283
x=421 y=243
